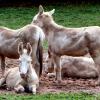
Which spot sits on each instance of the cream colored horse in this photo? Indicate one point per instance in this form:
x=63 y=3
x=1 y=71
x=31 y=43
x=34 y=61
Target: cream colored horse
x=19 y=78
x=77 y=67
x=9 y=40
x=69 y=41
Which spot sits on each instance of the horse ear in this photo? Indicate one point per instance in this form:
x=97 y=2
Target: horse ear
x=41 y=10
x=20 y=47
x=52 y=12
x=29 y=49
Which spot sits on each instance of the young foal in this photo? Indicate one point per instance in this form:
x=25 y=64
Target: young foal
x=24 y=76
x=9 y=40
x=69 y=41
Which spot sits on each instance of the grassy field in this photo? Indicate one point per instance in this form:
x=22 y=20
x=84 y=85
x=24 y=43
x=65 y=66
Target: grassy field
x=61 y=96
x=67 y=15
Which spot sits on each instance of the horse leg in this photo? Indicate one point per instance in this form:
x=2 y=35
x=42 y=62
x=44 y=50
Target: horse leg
x=97 y=63
x=3 y=65
x=19 y=88
x=33 y=88
x=57 y=67
x=95 y=54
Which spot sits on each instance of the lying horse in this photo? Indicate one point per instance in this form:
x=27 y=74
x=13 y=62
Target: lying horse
x=77 y=67
x=9 y=40
x=24 y=76
x=68 y=41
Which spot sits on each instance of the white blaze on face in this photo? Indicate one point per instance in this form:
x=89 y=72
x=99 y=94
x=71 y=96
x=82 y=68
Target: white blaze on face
x=25 y=61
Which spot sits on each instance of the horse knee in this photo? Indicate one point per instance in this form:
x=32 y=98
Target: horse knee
x=58 y=73
x=58 y=69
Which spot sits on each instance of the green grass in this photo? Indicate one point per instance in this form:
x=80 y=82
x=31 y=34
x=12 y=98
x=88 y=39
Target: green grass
x=61 y=96
x=67 y=15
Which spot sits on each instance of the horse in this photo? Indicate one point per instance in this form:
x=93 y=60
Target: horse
x=75 y=67
x=24 y=77
x=68 y=41
x=10 y=38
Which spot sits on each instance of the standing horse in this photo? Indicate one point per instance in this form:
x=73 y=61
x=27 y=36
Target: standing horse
x=9 y=40
x=68 y=41
x=24 y=76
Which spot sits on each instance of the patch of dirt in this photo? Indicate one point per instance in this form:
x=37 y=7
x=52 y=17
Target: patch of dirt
x=49 y=85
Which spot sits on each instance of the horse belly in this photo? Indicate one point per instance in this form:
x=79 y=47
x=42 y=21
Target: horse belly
x=70 y=51
x=71 y=48
x=78 y=52
x=9 y=49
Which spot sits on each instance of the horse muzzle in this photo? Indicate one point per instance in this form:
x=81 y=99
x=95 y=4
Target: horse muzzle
x=23 y=76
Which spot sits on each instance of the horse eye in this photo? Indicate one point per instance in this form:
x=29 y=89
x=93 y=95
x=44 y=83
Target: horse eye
x=41 y=16
x=46 y=16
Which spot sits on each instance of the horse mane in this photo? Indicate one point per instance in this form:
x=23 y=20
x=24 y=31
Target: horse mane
x=3 y=27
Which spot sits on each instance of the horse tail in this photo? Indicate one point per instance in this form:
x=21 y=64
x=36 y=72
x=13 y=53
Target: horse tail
x=40 y=55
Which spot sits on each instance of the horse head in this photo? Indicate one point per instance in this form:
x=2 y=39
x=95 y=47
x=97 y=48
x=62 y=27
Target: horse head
x=43 y=17
x=25 y=59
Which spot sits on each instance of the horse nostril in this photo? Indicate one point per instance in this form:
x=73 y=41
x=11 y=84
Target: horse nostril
x=22 y=75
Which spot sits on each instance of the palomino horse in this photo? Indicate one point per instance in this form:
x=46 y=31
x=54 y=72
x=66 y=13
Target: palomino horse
x=9 y=40
x=24 y=76
x=68 y=41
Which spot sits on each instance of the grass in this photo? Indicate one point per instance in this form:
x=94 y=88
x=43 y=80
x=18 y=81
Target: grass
x=61 y=96
x=67 y=15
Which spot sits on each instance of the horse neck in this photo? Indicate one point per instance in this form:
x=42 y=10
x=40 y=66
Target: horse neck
x=51 y=27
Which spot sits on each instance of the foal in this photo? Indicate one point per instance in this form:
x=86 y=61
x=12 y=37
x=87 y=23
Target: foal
x=68 y=41
x=24 y=76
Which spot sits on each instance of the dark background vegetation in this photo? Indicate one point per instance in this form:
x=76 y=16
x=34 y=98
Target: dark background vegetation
x=6 y=3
